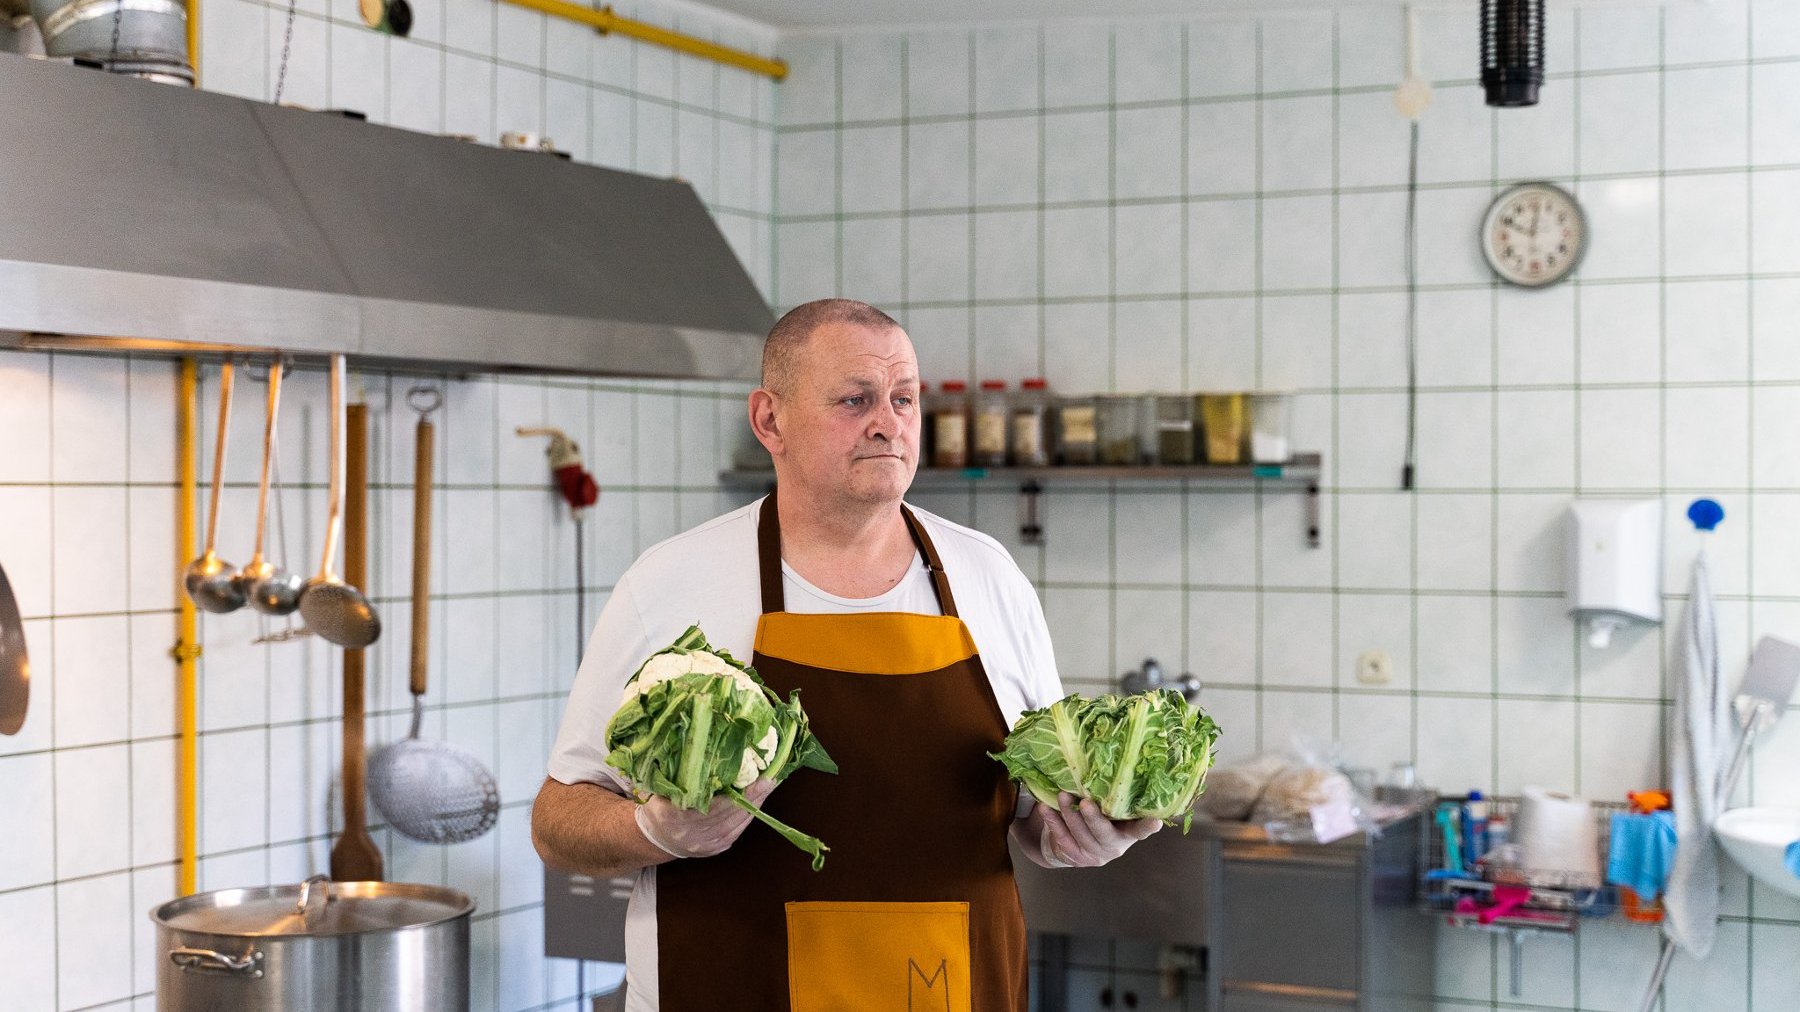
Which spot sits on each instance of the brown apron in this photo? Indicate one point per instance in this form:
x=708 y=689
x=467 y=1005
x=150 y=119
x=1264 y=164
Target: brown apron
x=916 y=908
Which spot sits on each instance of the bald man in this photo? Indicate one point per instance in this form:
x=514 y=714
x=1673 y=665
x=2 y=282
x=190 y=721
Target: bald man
x=915 y=644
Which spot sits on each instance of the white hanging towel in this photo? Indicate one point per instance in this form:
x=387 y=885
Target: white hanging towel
x=1702 y=734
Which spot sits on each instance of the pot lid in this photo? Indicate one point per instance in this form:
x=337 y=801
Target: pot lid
x=317 y=906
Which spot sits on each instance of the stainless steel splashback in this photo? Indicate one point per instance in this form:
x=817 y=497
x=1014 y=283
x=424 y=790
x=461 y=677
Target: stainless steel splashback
x=146 y=216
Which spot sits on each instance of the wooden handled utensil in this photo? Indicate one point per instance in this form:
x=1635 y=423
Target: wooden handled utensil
x=355 y=857
x=209 y=579
x=331 y=607
x=430 y=791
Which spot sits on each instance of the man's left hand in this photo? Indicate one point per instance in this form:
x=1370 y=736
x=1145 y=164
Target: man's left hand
x=1078 y=835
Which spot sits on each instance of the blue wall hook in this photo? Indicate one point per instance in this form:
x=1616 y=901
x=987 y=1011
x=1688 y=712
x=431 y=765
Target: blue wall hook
x=1705 y=513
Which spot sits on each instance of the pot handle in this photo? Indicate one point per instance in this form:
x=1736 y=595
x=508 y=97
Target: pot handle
x=213 y=961
x=315 y=892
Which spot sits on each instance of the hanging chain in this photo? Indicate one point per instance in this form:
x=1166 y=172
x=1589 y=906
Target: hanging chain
x=118 y=18
x=287 y=44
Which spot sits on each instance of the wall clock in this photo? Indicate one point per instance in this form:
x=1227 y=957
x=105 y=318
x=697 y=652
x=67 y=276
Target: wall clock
x=1534 y=234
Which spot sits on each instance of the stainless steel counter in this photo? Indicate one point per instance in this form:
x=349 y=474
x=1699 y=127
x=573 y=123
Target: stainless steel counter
x=1157 y=891
x=1278 y=925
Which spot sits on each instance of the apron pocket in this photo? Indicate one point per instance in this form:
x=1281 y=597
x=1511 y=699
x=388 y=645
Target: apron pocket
x=878 y=957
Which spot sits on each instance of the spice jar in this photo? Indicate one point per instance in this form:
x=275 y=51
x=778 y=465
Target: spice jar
x=950 y=426
x=1175 y=430
x=1271 y=419
x=1222 y=418
x=1119 y=431
x=1029 y=447
x=1077 y=432
x=990 y=425
x=1149 y=450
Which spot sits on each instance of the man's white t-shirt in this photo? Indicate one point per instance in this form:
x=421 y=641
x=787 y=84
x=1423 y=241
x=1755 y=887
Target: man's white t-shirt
x=710 y=576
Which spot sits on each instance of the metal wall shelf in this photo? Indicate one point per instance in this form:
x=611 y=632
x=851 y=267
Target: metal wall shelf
x=1302 y=473
x=1556 y=907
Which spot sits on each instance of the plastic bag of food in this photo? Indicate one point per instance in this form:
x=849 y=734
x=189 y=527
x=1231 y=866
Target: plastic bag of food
x=1232 y=790
x=1297 y=790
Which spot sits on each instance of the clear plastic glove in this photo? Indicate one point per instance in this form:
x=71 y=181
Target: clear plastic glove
x=1079 y=836
x=684 y=833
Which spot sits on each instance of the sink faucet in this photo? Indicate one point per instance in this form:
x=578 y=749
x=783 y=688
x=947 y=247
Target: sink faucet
x=1150 y=676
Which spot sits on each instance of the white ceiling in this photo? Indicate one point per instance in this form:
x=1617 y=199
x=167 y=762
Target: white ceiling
x=803 y=15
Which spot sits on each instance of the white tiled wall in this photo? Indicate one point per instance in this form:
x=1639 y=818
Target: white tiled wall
x=1219 y=203
x=88 y=495
x=1140 y=206
x=87 y=499
x=484 y=68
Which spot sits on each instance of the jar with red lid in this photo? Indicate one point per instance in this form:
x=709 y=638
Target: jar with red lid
x=950 y=425
x=1030 y=435
x=990 y=424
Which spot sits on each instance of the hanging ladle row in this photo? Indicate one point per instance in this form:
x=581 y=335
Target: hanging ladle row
x=330 y=607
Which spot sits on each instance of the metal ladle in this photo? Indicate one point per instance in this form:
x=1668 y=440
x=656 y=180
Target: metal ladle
x=15 y=666
x=290 y=630
x=270 y=589
x=331 y=607
x=209 y=579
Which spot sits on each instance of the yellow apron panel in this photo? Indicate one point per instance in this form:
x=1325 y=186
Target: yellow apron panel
x=878 y=957
x=879 y=643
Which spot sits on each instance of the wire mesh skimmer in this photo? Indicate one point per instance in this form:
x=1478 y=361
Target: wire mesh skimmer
x=431 y=791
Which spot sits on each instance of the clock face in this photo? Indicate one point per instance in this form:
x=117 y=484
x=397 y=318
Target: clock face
x=1534 y=234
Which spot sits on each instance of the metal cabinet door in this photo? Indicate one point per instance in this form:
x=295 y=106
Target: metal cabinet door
x=584 y=918
x=1155 y=892
x=1289 y=916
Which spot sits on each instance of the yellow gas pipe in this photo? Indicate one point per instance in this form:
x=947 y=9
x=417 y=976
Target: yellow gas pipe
x=605 y=21
x=193 y=38
x=187 y=640
x=187 y=626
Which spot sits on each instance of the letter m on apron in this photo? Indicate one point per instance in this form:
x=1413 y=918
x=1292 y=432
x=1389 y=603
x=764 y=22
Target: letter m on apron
x=928 y=993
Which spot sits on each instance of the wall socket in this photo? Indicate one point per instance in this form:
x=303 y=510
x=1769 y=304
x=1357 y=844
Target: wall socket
x=1374 y=667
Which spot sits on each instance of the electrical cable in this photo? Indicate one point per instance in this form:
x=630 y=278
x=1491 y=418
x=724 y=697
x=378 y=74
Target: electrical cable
x=1407 y=471
x=581 y=629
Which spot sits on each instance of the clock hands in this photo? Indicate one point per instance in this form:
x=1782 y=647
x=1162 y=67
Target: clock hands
x=1525 y=249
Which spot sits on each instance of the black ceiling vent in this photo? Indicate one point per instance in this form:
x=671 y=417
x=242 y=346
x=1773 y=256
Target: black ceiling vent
x=1512 y=51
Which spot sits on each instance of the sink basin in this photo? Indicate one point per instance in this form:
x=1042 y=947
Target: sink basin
x=1757 y=839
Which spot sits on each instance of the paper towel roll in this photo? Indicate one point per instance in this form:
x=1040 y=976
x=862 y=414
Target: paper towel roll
x=1559 y=842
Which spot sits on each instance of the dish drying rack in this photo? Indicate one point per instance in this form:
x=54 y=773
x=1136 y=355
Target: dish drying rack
x=1557 y=902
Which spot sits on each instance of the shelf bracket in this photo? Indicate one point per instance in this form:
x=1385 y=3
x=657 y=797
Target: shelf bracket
x=1312 y=514
x=1031 y=525
x=1516 y=984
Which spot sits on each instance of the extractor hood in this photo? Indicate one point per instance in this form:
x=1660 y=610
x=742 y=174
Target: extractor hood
x=155 y=217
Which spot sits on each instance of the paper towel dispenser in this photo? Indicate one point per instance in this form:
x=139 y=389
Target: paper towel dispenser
x=1615 y=565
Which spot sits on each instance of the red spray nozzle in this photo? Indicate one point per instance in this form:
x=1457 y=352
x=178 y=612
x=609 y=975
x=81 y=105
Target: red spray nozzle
x=578 y=487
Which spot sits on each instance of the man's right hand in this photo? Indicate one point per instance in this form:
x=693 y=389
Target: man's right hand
x=691 y=833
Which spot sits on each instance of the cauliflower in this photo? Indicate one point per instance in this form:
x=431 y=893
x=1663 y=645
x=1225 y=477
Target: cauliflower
x=664 y=667
x=756 y=759
x=695 y=723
